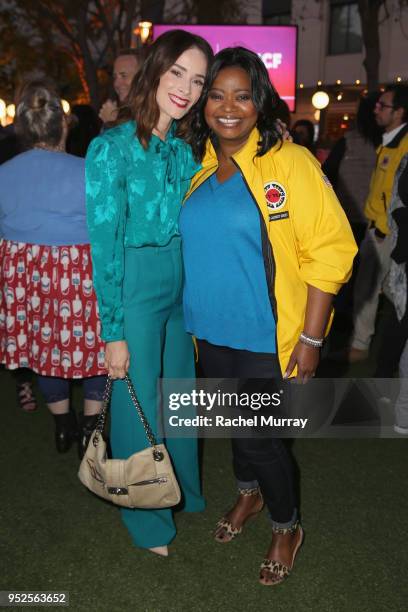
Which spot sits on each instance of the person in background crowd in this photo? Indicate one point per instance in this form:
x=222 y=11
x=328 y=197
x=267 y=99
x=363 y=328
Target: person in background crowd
x=397 y=336
x=9 y=148
x=125 y=67
x=350 y=164
x=261 y=269
x=85 y=125
x=391 y=114
x=8 y=143
x=48 y=311
x=283 y=113
x=137 y=174
x=303 y=134
x=394 y=346
x=349 y=167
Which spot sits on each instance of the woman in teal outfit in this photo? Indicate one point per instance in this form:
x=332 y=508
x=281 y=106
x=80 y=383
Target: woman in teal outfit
x=137 y=175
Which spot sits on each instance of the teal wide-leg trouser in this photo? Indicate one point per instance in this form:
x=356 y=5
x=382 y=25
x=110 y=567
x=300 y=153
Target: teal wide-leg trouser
x=159 y=348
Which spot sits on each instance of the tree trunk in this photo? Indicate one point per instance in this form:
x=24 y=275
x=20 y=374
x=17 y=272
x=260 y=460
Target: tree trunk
x=369 y=14
x=152 y=10
x=89 y=67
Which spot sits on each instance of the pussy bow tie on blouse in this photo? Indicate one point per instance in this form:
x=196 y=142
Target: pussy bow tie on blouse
x=169 y=152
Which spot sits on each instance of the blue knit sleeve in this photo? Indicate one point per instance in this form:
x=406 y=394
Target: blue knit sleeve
x=106 y=203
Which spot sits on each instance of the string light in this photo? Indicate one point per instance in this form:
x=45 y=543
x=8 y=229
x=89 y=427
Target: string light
x=319 y=83
x=358 y=81
x=320 y=100
x=338 y=81
x=301 y=86
x=340 y=96
x=345 y=117
x=399 y=79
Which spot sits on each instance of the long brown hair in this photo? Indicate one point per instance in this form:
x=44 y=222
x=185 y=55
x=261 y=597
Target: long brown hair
x=141 y=104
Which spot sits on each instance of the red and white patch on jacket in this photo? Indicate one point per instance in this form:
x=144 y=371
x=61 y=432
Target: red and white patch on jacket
x=275 y=195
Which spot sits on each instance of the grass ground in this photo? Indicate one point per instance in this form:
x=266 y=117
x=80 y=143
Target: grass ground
x=56 y=536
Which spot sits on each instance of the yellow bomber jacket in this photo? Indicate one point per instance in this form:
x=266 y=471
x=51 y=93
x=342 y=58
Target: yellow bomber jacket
x=306 y=238
x=379 y=195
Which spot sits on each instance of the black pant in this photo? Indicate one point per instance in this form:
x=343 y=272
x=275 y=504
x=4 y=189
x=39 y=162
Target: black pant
x=263 y=461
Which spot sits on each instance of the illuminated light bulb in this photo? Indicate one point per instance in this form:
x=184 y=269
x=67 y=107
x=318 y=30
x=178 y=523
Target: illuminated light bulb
x=319 y=83
x=301 y=86
x=144 y=30
x=340 y=97
x=338 y=81
x=358 y=81
x=11 y=110
x=345 y=117
x=399 y=79
x=320 y=100
x=3 y=112
x=66 y=107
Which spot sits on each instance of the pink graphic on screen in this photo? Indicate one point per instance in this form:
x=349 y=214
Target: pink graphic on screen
x=276 y=46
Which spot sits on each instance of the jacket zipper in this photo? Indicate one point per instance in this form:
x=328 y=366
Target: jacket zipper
x=270 y=279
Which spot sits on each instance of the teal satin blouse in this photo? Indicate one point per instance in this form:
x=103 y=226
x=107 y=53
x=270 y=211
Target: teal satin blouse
x=133 y=199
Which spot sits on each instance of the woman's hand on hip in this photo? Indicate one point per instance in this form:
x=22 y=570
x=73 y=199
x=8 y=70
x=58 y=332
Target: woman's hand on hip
x=117 y=359
x=306 y=358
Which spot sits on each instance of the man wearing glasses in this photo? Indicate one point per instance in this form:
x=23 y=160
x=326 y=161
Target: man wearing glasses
x=391 y=113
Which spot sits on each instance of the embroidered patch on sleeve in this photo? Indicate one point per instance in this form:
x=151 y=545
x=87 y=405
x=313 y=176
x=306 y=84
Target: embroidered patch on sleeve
x=275 y=195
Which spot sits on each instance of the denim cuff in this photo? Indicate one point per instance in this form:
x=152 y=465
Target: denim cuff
x=287 y=525
x=250 y=484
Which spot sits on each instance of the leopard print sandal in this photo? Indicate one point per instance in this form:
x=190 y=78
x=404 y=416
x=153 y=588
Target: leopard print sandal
x=276 y=571
x=225 y=532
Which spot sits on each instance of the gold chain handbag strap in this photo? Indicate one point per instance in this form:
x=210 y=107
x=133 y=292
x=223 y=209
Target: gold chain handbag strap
x=100 y=425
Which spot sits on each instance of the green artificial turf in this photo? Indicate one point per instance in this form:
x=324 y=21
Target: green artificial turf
x=54 y=535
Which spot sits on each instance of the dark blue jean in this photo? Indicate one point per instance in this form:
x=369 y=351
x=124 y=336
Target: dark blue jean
x=263 y=462
x=57 y=389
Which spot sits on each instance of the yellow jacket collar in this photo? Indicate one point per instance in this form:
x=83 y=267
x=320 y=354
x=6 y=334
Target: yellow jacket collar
x=251 y=146
x=246 y=152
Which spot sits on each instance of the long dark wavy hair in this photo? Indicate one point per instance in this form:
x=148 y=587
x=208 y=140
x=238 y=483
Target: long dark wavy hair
x=141 y=104
x=264 y=97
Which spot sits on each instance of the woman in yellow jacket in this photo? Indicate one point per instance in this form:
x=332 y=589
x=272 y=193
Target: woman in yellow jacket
x=266 y=246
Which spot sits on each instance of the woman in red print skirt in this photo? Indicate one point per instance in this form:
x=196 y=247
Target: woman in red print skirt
x=48 y=311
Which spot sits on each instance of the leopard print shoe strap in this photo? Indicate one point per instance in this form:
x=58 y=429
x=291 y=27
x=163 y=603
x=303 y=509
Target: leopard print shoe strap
x=230 y=531
x=249 y=492
x=278 y=569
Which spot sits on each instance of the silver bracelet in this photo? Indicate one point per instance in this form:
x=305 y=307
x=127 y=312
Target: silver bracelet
x=310 y=340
